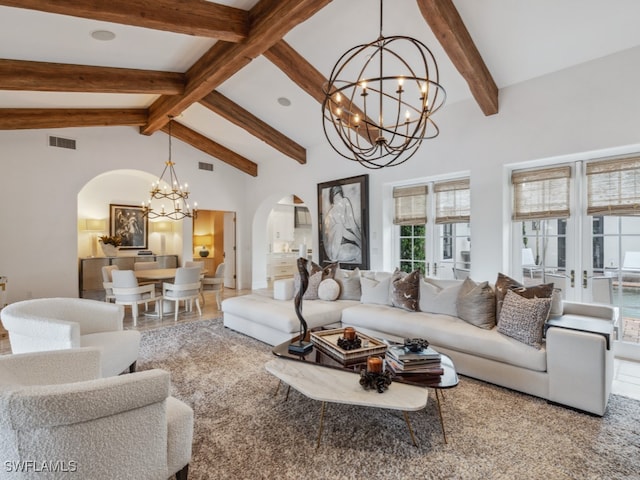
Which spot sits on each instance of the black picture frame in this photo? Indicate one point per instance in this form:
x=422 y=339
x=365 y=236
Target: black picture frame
x=343 y=222
x=128 y=222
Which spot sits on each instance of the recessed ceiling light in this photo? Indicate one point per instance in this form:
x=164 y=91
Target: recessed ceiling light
x=284 y=101
x=103 y=35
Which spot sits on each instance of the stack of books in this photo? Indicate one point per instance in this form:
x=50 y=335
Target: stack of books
x=426 y=363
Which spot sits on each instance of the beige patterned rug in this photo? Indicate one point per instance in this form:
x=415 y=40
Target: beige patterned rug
x=243 y=432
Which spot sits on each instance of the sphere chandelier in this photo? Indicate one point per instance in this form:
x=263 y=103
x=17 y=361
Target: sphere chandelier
x=379 y=101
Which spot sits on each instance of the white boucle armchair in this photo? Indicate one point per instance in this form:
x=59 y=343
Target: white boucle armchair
x=61 y=323
x=59 y=419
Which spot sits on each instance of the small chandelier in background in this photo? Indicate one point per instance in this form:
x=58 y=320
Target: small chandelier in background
x=173 y=192
x=379 y=101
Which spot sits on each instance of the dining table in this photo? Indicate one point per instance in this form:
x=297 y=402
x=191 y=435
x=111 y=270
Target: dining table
x=157 y=275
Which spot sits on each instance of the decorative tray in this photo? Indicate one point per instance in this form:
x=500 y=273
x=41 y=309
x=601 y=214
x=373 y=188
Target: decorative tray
x=327 y=342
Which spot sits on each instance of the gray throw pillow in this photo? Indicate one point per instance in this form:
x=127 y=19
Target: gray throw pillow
x=476 y=304
x=349 y=284
x=375 y=291
x=435 y=298
x=523 y=318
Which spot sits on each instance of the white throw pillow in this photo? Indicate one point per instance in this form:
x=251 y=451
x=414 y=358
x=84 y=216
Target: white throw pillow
x=349 y=283
x=436 y=299
x=375 y=291
x=328 y=290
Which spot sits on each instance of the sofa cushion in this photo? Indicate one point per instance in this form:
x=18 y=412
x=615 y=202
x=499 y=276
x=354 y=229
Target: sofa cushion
x=476 y=304
x=444 y=331
x=280 y=315
x=523 y=318
x=505 y=283
x=435 y=298
x=328 y=290
x=405 y=291
x=349 y=282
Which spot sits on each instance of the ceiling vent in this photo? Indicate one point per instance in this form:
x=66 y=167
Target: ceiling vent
x=205 y=166
x=62 y=142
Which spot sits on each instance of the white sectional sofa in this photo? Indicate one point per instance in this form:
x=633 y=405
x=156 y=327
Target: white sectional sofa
x=572 y=367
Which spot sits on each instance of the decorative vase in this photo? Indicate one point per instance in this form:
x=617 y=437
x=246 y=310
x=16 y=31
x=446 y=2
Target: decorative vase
x=204 y=252
x=109 y=250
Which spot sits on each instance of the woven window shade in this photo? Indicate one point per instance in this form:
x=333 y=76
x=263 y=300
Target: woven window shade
x=613 y=187
x=540 y=194
x=410 y=205
x=453 y=201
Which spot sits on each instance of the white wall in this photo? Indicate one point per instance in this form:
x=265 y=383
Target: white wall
x=41 y=204
x=586 y=111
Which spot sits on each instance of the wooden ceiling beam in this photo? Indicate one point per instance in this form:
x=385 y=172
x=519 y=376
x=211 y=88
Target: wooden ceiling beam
x=57 y=77
x=309 y=79
x=234 y=113
x=34 y=118
x=208 y=146
x=189 y=17
x=447 y=25
x=270 y=21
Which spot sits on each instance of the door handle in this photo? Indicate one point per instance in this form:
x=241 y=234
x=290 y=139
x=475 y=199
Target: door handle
x=573 y=278
x=585 y=279
x=435 y=269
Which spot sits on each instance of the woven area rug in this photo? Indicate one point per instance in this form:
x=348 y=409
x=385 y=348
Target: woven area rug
x=243 y=431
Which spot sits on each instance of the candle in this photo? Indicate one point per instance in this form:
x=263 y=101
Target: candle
x=374 y=365
x=349 y=333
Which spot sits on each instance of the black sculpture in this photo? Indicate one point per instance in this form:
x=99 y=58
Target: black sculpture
x=301 y=347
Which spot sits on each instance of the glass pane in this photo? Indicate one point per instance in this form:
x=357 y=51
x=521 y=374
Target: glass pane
x=418 y=248
x=419 y=230
x=406 y=230
x=405 y=248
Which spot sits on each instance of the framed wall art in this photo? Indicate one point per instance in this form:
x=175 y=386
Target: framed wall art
x=128 y=222
x=343 y=222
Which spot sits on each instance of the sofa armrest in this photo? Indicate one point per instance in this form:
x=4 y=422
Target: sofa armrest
x=51 y=367
x=606 y=312
x=28 y=333
x=580 y=369
x=99 y=317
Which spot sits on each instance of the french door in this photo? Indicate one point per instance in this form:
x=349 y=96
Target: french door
x=591 y=256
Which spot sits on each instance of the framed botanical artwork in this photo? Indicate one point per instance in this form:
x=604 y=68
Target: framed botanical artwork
x=128 y=222
x=343 y=222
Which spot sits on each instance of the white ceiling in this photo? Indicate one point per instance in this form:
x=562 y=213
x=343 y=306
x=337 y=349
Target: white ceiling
x=518 y=40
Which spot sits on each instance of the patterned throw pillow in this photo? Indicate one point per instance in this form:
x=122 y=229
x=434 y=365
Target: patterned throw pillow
x=476 y=304
x=523 y=318
x=406 y=291
x=505 y=283
x=349 y=284
x=312 y=289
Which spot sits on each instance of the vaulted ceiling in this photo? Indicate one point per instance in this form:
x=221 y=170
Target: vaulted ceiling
x=225 y=68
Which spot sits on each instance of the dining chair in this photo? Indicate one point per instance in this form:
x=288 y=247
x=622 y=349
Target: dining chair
x=186 y=287
x=200 y=265
x=107 y=282
x=216 y=283
x=128 y=292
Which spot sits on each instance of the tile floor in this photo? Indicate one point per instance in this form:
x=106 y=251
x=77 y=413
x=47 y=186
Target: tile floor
x=626 y=373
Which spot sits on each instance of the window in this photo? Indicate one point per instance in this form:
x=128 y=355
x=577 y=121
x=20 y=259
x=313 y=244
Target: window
x=413 y=248
x=449 y=205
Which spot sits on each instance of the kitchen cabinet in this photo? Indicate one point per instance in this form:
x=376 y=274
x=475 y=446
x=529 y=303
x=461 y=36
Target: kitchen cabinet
x=281 y=265
x=282 y=223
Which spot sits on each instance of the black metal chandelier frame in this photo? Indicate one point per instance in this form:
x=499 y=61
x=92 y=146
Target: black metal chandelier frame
x=354 y=111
